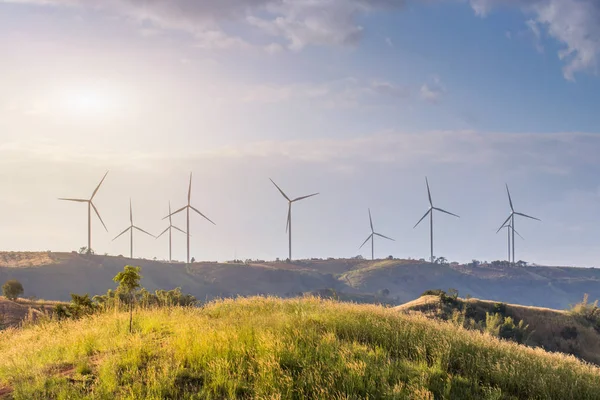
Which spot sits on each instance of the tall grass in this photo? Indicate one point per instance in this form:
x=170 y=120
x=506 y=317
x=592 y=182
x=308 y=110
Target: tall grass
x=280 y=349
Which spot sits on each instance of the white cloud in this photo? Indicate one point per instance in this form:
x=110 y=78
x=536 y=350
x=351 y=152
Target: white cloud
x=574 y=23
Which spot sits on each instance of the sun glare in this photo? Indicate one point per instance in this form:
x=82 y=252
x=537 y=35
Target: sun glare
x=91 y=101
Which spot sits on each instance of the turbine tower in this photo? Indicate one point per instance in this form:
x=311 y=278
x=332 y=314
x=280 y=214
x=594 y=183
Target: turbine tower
x=130 y=230
x=90 y=203
x=511 y=218
x=508 y=229
x=170 y=230
x=288 y=226
x=430 y=213
x=189 y=207
x=372 y=238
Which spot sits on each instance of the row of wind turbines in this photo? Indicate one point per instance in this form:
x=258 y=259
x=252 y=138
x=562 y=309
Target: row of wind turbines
x=508 y=224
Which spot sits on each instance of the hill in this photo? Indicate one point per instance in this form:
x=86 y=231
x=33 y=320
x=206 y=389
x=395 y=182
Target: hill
x=272 y=348
x=553 y=330
x=54 y=276
x=12 y=313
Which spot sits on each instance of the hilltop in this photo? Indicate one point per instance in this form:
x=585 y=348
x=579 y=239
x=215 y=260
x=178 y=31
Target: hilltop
x=553 y=330
x=272 y=348
x=54 y=276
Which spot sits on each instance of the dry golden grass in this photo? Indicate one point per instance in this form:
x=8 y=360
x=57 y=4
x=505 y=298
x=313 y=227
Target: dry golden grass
x=25 y=259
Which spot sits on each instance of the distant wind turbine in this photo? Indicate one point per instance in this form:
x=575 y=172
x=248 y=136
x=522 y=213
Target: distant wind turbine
x=430 y=213
x=288 y=226
x=130 y=230
x=91 y=206
x=511 y=218
x=372 y=237
x=189 y=207
x=170 y=230
x=508 y=228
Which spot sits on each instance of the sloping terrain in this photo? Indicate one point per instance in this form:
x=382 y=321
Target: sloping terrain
x=12 y=313
x=279 y=349
x=553 y=330
x=55 y=275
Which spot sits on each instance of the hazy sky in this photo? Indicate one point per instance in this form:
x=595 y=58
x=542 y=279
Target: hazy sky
x=356 y=99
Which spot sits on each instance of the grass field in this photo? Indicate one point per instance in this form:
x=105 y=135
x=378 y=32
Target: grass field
x=279 y=349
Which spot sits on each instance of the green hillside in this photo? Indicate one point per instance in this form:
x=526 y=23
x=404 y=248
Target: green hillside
x=270 y=348
x=54 y=276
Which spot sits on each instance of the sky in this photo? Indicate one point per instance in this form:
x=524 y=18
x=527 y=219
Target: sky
x=358 y=100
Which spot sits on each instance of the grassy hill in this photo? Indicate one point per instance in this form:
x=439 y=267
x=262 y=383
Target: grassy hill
x=12 y=313
x=272 y=348
x=553 y=330
x=54 y=276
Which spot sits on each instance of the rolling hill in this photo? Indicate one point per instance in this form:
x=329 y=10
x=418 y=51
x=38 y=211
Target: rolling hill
x=54 y=276
x=552 y=330
x=288 y=349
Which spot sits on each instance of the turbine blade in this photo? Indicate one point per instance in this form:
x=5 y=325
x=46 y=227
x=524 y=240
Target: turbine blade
x=289 y=217
x=447 y=212
x=98 y=214
x=518 y=234
x=385 y=237
x=422 y=218
x=208 y=219
x=304 y=197
x=177 y=229
x=504 y=223
x=141 y=230
x=428 y=192
x=163 y=232
x=178 y=211
x=361 y=246
x=527 y=216
x=371 y=221
x=281 y=191
x=121 y=234
x=130 y=212
x=509 y=198
x=77 y=200
x=190 y=190
x=98 y=187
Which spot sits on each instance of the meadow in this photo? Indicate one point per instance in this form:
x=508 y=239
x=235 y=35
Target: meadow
x=269 y=348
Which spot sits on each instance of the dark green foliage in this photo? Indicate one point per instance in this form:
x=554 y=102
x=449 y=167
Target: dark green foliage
x=569 y=333
x=12 y=289
x=500 y=308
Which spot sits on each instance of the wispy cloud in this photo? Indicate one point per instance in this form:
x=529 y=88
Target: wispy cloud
x=301 y=23
x=433 y=91
x=549 y=153
x=574 y=23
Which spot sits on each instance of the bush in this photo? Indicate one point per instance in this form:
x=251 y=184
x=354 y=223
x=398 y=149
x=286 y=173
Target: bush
x=12 y=289
x=590 y=313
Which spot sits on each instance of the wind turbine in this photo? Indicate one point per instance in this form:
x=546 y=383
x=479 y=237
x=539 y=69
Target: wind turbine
x=508 y=228
x=91 y=206
x=372 y=237
x=511 y=218
x=430 y=213
x=189 y=207
x=130 y=229
x=170 y=230
x=288 y=226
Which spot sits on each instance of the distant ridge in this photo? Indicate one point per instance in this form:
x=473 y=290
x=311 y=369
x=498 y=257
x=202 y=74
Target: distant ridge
x=53 y=276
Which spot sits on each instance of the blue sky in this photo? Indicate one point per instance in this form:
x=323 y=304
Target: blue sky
x=356 y=99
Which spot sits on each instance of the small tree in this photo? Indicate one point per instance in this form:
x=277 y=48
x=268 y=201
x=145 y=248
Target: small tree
x=129 y=281
x=12 y=289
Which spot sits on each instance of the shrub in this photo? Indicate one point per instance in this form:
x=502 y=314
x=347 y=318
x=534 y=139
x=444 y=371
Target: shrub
x=12 y=289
